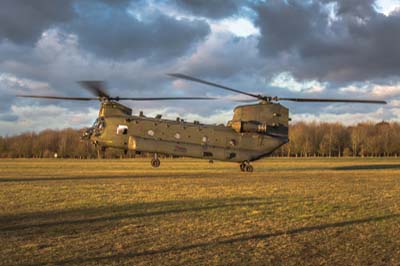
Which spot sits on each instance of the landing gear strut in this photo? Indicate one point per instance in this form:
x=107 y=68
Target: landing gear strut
x=155 y=162
x=246 y=167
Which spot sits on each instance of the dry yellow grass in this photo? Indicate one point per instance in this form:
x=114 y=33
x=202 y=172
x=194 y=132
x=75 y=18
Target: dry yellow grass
x=189 y=212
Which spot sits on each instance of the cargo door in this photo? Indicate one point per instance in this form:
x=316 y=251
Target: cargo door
x=231 y=144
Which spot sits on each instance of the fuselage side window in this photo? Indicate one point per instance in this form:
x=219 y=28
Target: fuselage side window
x=122 y=130
x=207 y=154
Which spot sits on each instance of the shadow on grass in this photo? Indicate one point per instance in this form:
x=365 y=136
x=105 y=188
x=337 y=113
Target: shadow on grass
x=122 y=176
x=230 y=241
x=131 y=211
x=338 y=168
x=367 y=167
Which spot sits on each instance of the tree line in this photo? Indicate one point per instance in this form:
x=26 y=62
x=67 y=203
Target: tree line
x=336 y=140
x=306 y=139
x=48 y=143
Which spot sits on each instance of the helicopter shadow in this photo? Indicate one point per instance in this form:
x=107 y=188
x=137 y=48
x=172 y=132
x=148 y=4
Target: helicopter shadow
x=84 y=216
x=368 y=167
x=105 y=177
x=262 y=236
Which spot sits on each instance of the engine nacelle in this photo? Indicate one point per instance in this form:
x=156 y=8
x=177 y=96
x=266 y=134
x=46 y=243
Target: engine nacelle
x=249 y=127
x=262 y=118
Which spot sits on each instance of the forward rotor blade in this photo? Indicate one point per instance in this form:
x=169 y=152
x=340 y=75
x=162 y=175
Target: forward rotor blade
x=164 y=98
x=98 y=88
x=182 y=76
x=58 y=97
x=328 y=100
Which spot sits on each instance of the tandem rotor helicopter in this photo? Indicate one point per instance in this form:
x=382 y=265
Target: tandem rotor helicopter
x=255 y=131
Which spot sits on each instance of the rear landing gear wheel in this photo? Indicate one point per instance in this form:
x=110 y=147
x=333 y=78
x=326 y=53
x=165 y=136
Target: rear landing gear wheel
x=249 y=168
x=155 y=163
x=246 y=167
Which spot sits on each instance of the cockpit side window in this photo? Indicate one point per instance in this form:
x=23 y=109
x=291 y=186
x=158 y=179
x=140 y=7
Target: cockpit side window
x=95 y=123
x=99 y=123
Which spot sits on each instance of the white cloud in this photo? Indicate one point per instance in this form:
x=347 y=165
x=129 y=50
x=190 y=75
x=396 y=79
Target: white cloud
x=36 y=118
x=286 y=80
x=10 y=83
x=394 y=103
x=350 y=118
x=240 y=26
x=372 y=90
x=354 y=89
x=387 y=6
x=223 y=55
x=385 y=91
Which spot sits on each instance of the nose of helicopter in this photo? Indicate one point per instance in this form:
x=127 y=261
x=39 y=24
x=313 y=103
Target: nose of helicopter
x=93 y=133
x=91 y=136
x=88 y=135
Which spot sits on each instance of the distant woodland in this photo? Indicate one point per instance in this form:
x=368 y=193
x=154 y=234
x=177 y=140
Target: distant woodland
x=306 y=139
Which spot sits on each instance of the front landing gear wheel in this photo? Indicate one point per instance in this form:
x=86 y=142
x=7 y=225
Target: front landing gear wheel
x=155 y=163
x=242 y=167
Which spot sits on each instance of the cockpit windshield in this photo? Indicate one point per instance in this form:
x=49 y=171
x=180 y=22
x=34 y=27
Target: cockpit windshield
x=98 y=123
x=96 y=129
x=98 y=126
x=95 y=123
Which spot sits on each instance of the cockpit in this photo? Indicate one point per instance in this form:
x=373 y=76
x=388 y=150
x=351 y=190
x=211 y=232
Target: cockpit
x=96 y=129
x=99 y=125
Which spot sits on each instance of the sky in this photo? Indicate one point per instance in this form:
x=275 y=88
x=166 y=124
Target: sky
x=308 y=48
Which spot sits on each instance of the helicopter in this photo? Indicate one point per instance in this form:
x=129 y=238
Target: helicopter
x=255 y=131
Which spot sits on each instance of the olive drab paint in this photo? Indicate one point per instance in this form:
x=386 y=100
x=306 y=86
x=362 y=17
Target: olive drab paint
x=254 y=132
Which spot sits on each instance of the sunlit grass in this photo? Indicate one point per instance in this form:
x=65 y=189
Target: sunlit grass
x=189 y=212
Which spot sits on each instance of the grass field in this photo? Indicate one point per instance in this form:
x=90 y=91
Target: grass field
x=189 y=212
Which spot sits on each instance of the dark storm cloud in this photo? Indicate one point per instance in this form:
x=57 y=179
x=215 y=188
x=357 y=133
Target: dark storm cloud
x=23 y=21
x=104 y=30
x=357 y=43
x=359 y=8
x=214 y=9
x=104 y=27
x=132 y=44
x=113 y=32
x=218 y=57
x=284 y=26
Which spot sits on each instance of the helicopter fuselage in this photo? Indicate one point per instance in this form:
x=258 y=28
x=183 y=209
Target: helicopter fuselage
x=238 y=141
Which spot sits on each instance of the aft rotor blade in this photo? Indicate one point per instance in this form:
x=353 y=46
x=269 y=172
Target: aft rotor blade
x=329 y=100
x=59 y=97
x=244 y=101
x=98 y=88
x=164 y=98
x=182 y=76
